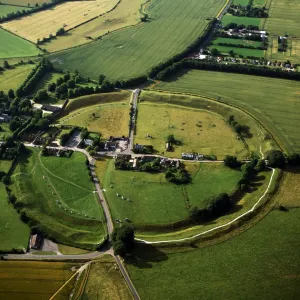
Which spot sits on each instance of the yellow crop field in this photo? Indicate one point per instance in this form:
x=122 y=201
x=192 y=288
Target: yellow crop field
x=33 y=280
x=67 y=15
x=126 y=14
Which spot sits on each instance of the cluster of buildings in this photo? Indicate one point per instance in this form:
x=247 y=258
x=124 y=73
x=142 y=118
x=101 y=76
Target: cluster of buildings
x=135 y=162
x=192 y=156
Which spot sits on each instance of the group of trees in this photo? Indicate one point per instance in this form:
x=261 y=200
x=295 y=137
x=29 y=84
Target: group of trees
x=27 y=87
x=248 y=11
x=24 y=118
x=230 y=68
x=178 y=175
x=123 y=240
x=242 y=131
x=216 y=206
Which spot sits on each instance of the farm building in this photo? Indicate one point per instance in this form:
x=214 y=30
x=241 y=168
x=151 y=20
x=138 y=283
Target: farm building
x=36 y=241
x=51 y=108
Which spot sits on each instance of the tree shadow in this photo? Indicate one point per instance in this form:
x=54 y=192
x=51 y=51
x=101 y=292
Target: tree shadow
x=144 y=255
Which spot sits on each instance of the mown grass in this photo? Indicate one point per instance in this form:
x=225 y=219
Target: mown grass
x=275 y=102
x=14 y=234
x=105 y=281
x=33 y=280
x=253 y=143
x=261 y=263
x=244 y=52
x=109 y=119
x=198 y=130
x=67 y=250
x=243 y=205
x=240 y=20
x=125 y=14
x=172 y=26
x=237 y=42
x=155 y=201
x=13 y=78
x=284 y=18
x=14 y=46
x=58 y=195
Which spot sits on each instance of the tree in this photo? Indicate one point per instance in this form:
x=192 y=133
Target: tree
x=101 y=79
x=60 y=31
x=11 y=94
x=84 y=134
x=260 y=166
x=6 y=65
x=276 y=159
x=171 y=139
x=144 y=18
x=248 y=171
x=231 y=161
x=123 y=240
x=51 y=87
x=294 y=159
x=41 y=95
x=214 y=52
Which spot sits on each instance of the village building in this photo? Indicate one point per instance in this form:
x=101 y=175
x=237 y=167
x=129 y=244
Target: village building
x=36 y=241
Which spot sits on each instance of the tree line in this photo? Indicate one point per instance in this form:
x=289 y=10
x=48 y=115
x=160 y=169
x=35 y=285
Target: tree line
x=230 y=68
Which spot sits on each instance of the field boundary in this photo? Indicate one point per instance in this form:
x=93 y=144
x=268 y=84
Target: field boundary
x=100 y=36
x=276 y=140
x=217 y=227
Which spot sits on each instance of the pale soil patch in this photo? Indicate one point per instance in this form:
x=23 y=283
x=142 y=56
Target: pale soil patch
x=66 y=15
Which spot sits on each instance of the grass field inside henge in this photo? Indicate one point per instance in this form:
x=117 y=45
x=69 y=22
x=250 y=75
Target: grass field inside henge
x=275 y=102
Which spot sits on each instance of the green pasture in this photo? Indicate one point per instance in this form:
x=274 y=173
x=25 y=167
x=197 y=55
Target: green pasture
x=237 y=42
x=172 y=26
x=109 y=119
x=14 y=234
x=5 y=165
x=13 y=46
x=284 y=18
x=13 y=78
x=261 y=263
x=239 y=51
x=275 y=102
x=197 y=130
x=240 y=20
x=246 y=2
x=155 y=201
x=8 y=9
x=253 y=143
x=90 y=100
x=58 y=194
x=243 y=204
